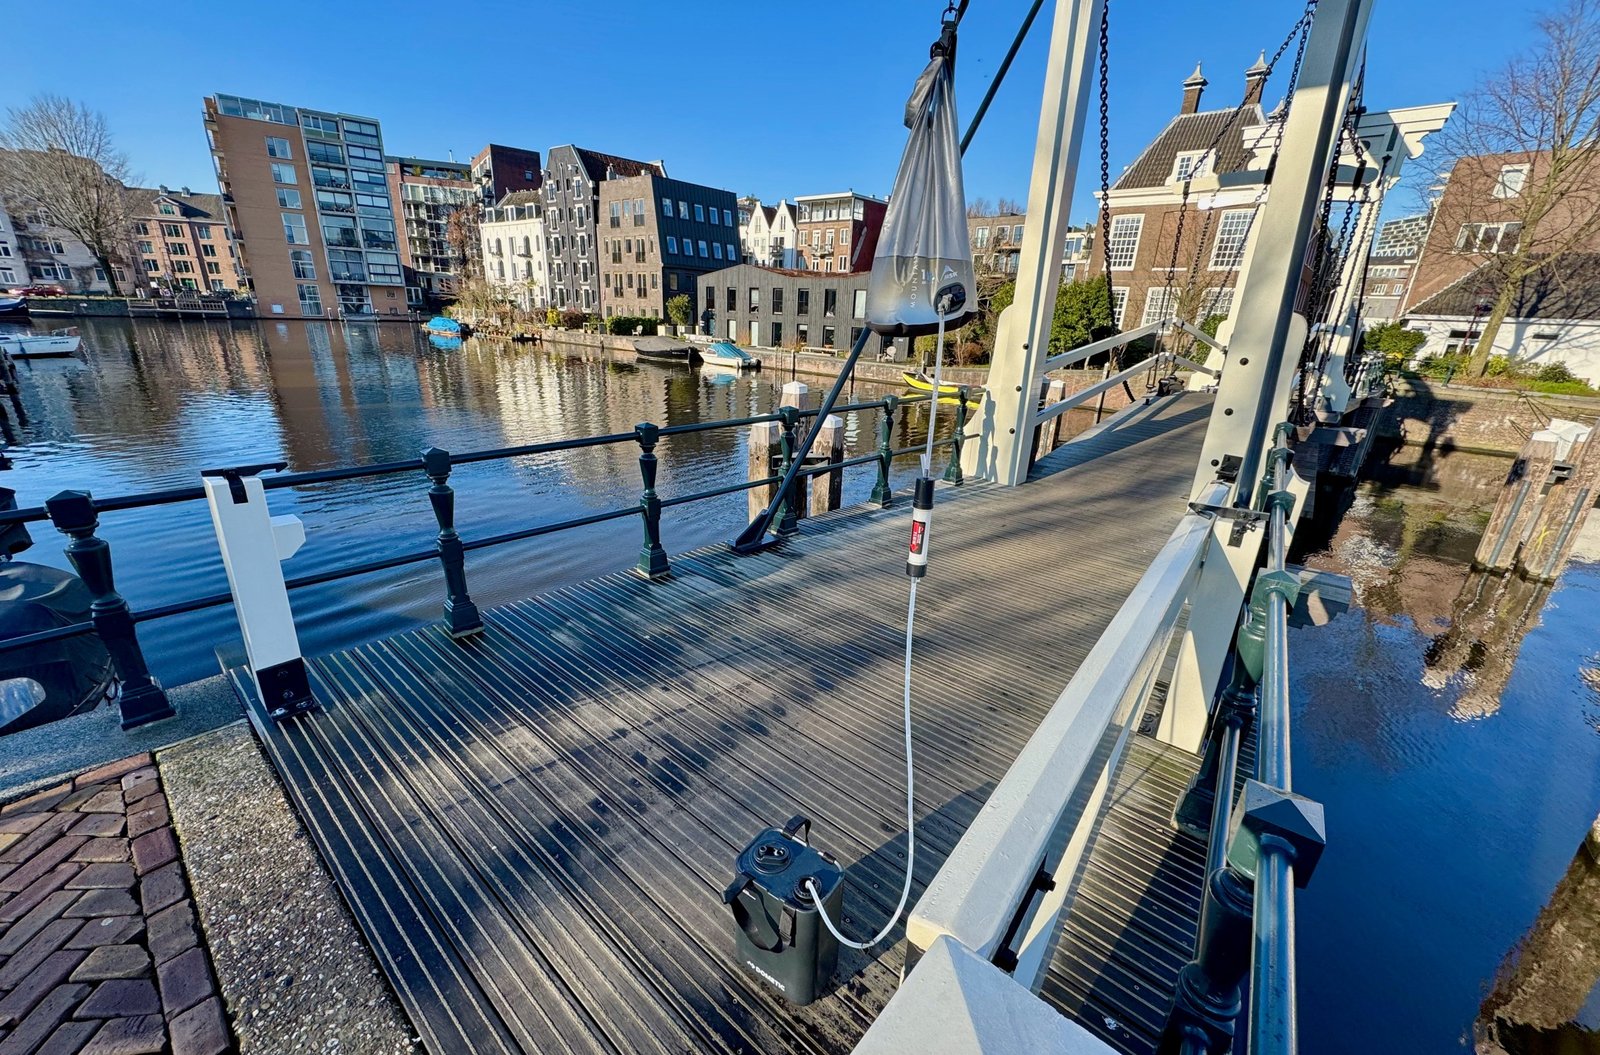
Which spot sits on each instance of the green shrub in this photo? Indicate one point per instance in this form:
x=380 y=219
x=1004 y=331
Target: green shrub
x=1211 y=323
x=1555 y=372
x=1501 y=366
x=552 y=317
x=1562 y=388
x=632 y=325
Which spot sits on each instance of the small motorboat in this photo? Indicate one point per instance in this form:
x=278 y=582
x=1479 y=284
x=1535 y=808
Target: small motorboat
x=444 y=326
x=13 y=307
x=922 y=383
x=726 y=353
x=57 y=344
x=662 y=349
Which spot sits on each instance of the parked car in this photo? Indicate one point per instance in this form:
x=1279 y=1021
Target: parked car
x=39 y=291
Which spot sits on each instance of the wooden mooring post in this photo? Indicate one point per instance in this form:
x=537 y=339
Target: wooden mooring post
x=764 y=454
x=1544 y=503
x=1050 y=392
x=826 y=490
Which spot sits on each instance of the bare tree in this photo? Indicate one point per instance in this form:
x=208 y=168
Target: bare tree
x=461 y=234
x=58 y=161
x=1009 y=207
x=1525 y=140
x=980 y=207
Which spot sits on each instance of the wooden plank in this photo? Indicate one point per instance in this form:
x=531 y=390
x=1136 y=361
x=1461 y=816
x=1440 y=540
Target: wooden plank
x=534 y=825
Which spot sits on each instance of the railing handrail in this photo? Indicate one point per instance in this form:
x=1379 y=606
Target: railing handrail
x=981 y=895
x=175 y=495
x=196 y=493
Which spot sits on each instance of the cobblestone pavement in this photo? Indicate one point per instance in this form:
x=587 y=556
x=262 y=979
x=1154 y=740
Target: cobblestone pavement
x=100 y=952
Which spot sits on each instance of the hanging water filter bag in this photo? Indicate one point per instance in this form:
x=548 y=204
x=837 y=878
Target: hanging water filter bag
x=923 y=265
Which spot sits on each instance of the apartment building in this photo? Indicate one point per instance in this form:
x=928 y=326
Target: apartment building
x=996 y=243
x=838 y=232
x=764 y=307
x=34 y=251
x=1075 y=250
x=1479 y=218
x=658 y=237
x=571 y=189
x=512 y=240
x=13 y=266
x=499 y=171
x=1402 y=236
x=307 y=198
x=181 y=241
x=428 y=195
x=769 y=234
x=1153 y=264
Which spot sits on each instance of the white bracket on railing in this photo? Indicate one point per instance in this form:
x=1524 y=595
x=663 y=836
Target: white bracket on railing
x=253 y=544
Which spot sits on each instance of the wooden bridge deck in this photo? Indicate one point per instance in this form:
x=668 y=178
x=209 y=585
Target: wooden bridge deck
x=534 y=826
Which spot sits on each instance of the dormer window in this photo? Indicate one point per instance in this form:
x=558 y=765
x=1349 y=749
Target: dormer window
x=1512 y=179
x=166 y=209
x=1191 y=163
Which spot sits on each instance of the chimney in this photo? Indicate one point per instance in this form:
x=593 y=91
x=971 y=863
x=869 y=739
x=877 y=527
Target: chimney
x=185 y=192
x=1255 y=80
x=1191 y=90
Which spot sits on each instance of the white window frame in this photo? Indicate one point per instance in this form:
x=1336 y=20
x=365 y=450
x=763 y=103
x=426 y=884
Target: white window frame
x=1190 y=164
x=1162 y=297
x=1118 y=242
x=1503 y=187
x=1119 y=304
x=1231 y=246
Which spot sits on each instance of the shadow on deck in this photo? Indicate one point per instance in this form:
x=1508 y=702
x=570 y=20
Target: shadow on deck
x=534 y=826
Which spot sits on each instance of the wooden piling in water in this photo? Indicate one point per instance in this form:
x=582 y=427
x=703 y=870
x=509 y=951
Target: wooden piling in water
x=1561 y=516
x=1050 y=432
x=827 y=489
x=764 y=453
x=1513 y=511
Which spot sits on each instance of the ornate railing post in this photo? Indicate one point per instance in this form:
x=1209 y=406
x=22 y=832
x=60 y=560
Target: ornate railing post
x=461 y=615
x=652 y=558
x=789 y=515
x=881 y=494
x=142 y=699
x=952 y=472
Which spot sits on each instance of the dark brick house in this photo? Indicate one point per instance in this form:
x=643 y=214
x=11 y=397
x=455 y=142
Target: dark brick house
x=657 y=237
x=572 y=179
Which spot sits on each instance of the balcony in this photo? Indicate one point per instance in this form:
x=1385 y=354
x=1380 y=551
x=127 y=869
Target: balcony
x=340 y=240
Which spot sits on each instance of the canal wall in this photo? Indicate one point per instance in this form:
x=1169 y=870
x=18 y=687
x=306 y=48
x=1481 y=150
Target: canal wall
x=1443 y=419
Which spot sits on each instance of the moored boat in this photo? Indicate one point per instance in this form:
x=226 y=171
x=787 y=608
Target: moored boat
x=662 y=349
x=922 y=383
x=726 y=353
x=444 y=326
x=13 y=307
x=55 y=345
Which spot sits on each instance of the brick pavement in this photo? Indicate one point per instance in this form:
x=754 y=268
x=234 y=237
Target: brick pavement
x=100 y=952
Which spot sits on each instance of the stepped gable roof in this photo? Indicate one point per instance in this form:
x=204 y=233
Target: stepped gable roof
x=1184 y=132
x=1568 y=290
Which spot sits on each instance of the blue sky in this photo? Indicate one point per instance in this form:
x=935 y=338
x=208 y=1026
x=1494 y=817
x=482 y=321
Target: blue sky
x=714 y=88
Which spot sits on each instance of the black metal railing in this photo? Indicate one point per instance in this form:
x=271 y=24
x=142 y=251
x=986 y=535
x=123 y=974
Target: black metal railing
x=1260 y=844
x=76 y=514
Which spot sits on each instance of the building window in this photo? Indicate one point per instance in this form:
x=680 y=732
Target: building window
x=1158 y=304
x=310 y=299
x=182 y=267
x=1217 y=302
x=1124 y=240
x=828 y=336
x=1227 y=252
x=688 y=247
x=1119 y=304
x=171 y=230
x=802 y=302
x=288 y=199
x=294 y=229
x=777 y=301
x=213 y=268
x=1191 y=163
x=1511 y=181
x=141 y=228
x=1488 y=237
x=303 y=266
x=755 y=298
x=802 y=333
x=703 y=248
x=202 y=230
x=732 y=252
x=144 y=247
x=166 y=209
x=666 y=207
x=777 y=335
x=733 y=299
x=672 y=244
x=283 y=174
x=1016 y=235
x=980 y=237
x=858 y=304
x=716 y=250
x=713 y=217
x=278 y=148
x=830 y=304
x=683 y=209
x=177 y=249
x=152 y=266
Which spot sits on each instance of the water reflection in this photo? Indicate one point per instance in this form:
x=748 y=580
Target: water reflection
x=1447 y=725
x=1546 y=997
x=150 y=404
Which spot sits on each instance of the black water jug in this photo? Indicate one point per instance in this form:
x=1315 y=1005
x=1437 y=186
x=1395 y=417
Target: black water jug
x=778 y=934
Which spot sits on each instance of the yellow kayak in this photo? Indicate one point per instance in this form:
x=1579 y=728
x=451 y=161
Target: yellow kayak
x=948 y=393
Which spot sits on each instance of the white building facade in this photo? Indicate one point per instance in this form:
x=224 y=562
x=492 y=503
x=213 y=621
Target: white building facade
x=768 y=234
x=512 y=241
x=36 y=252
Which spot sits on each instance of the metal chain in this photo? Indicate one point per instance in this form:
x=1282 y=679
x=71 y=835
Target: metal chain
x=1105 y=148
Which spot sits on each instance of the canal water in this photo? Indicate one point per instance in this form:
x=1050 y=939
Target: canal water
x=1450 y=722
x=150 y=404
